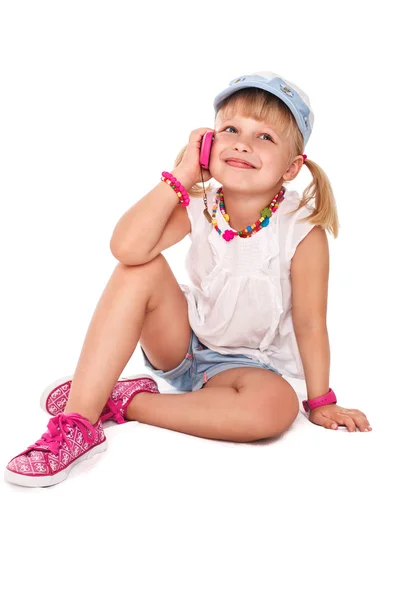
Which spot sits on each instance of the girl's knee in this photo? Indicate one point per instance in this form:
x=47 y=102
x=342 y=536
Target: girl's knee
x=273 y=408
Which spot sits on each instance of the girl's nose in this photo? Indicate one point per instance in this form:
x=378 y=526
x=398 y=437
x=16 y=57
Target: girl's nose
x=242 y=145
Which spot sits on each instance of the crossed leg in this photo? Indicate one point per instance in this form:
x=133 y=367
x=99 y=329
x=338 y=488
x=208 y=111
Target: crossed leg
x=241 y=404
x=145 y=302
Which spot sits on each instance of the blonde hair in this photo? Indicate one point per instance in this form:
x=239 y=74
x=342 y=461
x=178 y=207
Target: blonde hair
x=263 y=106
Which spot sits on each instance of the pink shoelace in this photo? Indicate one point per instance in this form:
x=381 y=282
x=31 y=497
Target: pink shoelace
x=114 y=407
x=58 y=428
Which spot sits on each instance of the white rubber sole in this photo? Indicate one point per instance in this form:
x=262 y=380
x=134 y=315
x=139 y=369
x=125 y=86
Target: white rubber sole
x=47 y=480
x=51 y=386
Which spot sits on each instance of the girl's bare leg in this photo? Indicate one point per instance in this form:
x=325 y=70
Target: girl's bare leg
x=145 y=302
x=241 y=404
x=125 y=309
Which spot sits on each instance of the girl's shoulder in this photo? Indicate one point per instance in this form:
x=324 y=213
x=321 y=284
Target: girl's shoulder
x=291 y=202
x=293 y=224
x=289 y=214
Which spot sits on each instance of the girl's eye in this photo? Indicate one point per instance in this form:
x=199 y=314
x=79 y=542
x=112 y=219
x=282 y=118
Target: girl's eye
x=267 y=134
x=231 y=127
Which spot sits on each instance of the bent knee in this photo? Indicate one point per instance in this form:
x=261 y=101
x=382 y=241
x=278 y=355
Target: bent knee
x=272 y=412
x=153 y=275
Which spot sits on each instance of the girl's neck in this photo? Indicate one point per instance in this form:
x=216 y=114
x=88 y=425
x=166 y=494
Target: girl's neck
x=245 y=209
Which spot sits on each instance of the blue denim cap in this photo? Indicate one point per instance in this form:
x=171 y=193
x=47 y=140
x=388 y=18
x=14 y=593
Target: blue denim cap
x=297 y=100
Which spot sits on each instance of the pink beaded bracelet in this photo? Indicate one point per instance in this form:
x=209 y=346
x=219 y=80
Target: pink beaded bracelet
x=177 y=186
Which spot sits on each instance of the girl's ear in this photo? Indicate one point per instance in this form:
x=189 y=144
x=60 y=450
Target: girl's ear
x=294 y=168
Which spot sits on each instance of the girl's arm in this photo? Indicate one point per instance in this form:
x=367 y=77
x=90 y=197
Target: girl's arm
x=154 y=223
x=309 y=275
x=315 y=356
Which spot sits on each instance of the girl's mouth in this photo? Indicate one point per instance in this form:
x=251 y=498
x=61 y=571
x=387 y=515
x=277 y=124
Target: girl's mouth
x=238 y=164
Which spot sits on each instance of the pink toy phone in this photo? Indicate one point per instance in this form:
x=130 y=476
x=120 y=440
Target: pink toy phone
x=205 y=149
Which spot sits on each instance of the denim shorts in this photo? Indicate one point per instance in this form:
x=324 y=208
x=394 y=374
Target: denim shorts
x=200 y=364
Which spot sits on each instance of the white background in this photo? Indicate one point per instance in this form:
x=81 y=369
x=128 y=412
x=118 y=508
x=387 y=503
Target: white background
x=96 y=99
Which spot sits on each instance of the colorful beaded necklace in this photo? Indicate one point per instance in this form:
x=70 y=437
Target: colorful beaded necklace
x=250 y=230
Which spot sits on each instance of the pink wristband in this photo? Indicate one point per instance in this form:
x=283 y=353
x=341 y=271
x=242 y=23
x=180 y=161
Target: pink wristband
x=328 y=398
x=177 y=187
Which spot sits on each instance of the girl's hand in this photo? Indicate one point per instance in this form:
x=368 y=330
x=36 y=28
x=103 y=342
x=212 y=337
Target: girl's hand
x=188 y=170
x=332 y=415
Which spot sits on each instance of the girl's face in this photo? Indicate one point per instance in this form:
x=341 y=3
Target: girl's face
x=255 y=142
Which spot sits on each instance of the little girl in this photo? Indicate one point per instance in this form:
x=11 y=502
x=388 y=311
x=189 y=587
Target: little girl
x=255 y=309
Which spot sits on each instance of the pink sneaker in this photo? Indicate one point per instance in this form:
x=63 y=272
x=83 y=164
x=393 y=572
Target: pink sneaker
x=70 y=439
x=55 y=396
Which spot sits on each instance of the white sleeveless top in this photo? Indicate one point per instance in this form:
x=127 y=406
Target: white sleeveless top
x=239 y=295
